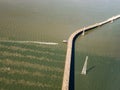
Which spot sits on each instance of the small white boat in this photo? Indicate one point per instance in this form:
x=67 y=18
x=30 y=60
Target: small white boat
x=64 y=41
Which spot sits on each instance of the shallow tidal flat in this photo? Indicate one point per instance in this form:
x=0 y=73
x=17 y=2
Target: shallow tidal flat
x=30 y=66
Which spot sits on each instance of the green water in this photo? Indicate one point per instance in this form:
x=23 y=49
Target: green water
x=55 y=20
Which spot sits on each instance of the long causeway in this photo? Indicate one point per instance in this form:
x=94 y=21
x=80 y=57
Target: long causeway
x=70 y=45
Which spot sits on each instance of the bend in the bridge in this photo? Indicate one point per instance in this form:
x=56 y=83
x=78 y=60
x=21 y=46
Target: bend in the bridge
x=70 y=45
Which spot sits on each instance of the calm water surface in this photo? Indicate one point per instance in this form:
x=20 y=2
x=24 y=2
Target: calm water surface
x=55 y=20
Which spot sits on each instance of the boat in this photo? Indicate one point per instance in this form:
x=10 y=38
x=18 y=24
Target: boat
x=64 y=41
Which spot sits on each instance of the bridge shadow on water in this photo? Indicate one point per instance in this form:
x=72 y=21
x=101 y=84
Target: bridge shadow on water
x=72 y=66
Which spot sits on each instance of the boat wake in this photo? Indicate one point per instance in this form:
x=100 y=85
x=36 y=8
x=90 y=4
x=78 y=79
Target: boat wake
x=34 y=42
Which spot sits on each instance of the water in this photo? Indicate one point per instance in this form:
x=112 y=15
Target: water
x=55 y=20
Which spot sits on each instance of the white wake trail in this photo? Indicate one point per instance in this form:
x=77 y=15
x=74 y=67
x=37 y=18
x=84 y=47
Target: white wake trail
x=35 y=42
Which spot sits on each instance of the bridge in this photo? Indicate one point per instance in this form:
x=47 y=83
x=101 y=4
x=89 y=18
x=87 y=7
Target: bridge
x=67 y=77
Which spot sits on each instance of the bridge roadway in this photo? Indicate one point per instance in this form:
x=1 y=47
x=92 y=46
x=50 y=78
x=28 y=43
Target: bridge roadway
x=69 y=53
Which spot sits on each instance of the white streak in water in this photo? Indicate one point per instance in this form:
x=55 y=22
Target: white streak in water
x=35 y=42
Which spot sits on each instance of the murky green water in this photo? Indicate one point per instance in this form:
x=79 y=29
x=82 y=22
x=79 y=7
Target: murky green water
x=55 y=20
